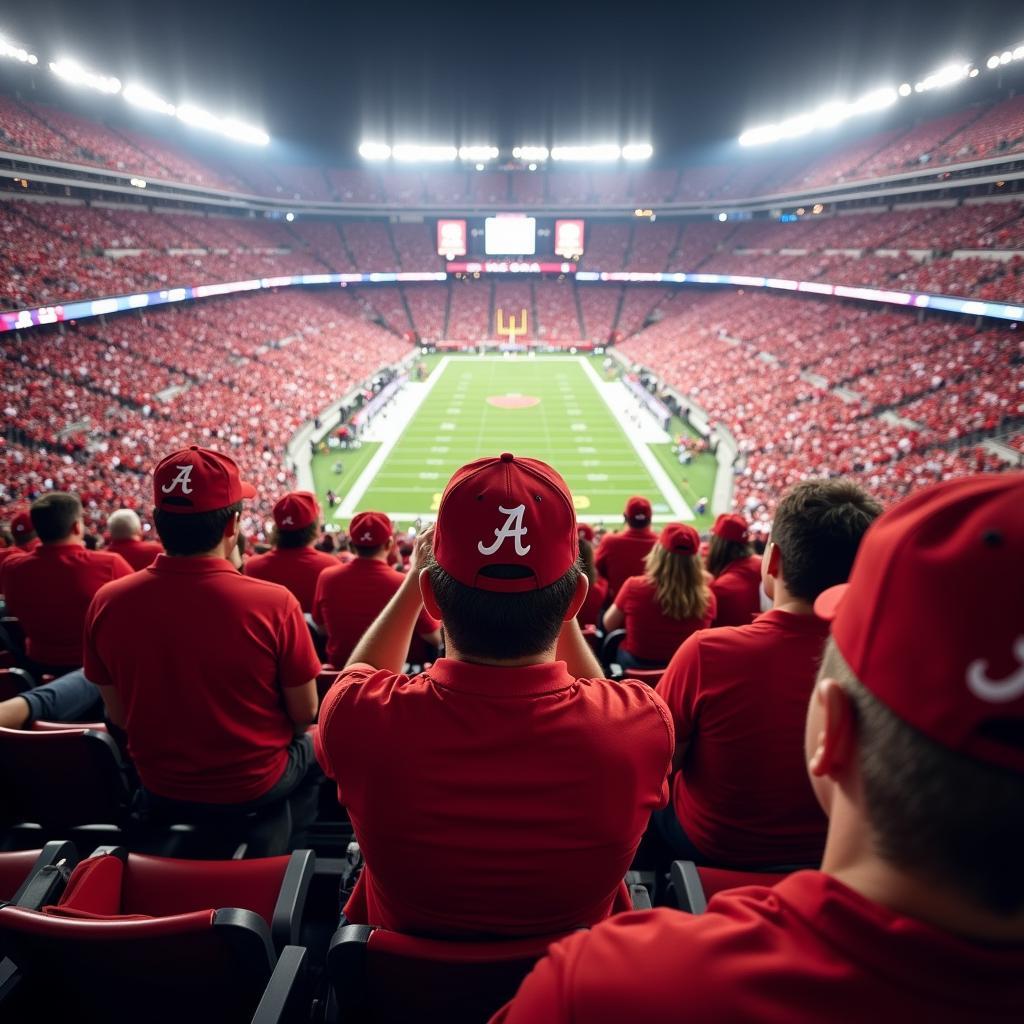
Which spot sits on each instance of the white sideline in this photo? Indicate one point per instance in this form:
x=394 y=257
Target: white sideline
x=674 y=500
x=401 y=412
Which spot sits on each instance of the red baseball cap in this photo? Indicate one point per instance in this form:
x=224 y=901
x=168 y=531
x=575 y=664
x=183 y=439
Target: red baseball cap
x=638 y=508
x=680 y=538
x=296 y=510
x=930 y=621
x=585 y=532
x=198 y=479
x=21 y=524
x=370 y=530
x=507 y=511
x=730 y=527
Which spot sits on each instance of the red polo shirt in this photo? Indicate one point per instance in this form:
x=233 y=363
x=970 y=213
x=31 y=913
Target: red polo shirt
x=349 y=597
x=738 y=697
x=7 y=555
x=49 y=592
x=621 y=555
x=493 y=800
x=650 y=633
x=590 y=613
x=199 y=655
x=808 y=950
x=738 y=590
x=298 y=569
x=137 y=553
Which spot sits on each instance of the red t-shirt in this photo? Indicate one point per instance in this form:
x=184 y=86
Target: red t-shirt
x=590 y=613
x=806 y=951
x=493 y=800
x=137 y=553
x=738 y=696
x=738 y=590
x=650 y=633
x=199 y=655
x=8 y=555
x=49 y=592
x=298 y=569
x=621 y=555
x=348 y=599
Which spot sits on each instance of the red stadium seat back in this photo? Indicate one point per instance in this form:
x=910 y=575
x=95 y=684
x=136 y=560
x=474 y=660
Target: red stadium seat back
x=650 y=676
x=42 y=726
x=62 y=779
x=691 y=887
x=19 y=868
x=204 y=965
x=12 y=636
x=325 y=680
x=382 y=976
x=13 y=681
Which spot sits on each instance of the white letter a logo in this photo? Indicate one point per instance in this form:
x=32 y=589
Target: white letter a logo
x=513 y=528
x=184 y=472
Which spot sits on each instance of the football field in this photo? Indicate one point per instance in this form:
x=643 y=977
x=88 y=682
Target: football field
x=558 y=409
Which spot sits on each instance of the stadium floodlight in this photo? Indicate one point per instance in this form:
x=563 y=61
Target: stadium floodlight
x=992 y=63
x=905 y=89
x=587 y=154
x=950 y=74
x=1018 y=53
x=410 y=153
x=74 y=74
x=18 y=53
x=534 y=154
x=478 y=154
x=374 y=151
x=200 y=118
x=140 y=96
x=1005 y=57
x=289 y=216
x=637 y=151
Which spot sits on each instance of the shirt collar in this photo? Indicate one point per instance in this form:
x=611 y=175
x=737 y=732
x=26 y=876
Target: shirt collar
x=491 y=681
x=191 y=566
x=795 y=623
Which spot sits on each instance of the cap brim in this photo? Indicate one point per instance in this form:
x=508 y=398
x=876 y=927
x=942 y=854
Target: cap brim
x=827 y=604
x=248 y=491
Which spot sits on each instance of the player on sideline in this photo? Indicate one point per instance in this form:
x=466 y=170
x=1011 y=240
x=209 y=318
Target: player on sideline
x=915 y=748
x=504 y=790
x=621 y=555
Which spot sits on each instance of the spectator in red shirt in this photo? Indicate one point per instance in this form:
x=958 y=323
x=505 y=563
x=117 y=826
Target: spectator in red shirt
x=125 y=531
x=914 y=751
x=294 y=562
x=738 y=696
x=504 y=790
x=211 y=674
x=25 y=541
x=661 y=608
x=590 y=613
x=621 y=555
x=350 y=596
x=736 y=572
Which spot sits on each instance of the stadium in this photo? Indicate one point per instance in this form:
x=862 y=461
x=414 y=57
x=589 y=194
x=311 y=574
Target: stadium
x=421 y=549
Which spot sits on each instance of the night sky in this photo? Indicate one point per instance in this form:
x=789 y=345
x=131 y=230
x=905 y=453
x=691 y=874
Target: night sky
x=684 y=76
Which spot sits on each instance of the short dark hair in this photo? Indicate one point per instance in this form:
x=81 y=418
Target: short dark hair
x=295 y=538
x=818 y=527
x=937 y=814
x=184 y=534
x=370 y=552
x=501 y=626
x=54 y=515
x=722 y=553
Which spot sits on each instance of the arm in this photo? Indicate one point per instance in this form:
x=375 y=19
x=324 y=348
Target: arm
x=613 y=618
x=300 y=704
x=112 y=705
x=680 y=688
x=385 y=644
x=574 y=650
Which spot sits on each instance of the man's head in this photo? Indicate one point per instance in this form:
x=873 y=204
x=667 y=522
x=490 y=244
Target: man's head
x=22 y=529
x=198 y=495
x=124 y=524
x=505 y=573
x=637 y=512
x=817 y=529
x=917 y=719
x=371 y=535
x=57 y=517
x=296 y=520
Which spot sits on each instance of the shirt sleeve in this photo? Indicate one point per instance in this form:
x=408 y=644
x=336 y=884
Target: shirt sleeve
x=92 y=664
x=297 y=661
x=318 y=599
x=119 y=567
x=328 y=735
x=680 y=686
x=545 y=992
x=711 y=612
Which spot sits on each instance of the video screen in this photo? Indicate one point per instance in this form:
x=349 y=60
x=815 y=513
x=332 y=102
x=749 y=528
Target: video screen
x=569 y=238
x=510 y=235
x=451 y=238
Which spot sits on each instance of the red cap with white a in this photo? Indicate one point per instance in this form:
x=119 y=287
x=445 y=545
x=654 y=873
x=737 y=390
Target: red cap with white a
x=198 y=480
x=932 y=619
x=21 y=525
x=370 y=530
x=638 y=510
x=296 y=510
x=506 y=524
x=730 y=528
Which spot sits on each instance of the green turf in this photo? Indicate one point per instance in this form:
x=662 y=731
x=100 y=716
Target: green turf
x=571 y=427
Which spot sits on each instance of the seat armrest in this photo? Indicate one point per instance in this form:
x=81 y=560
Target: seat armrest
x=639 y=896
x=686 y=886
x=291 y=901
x=48 y=876
x=285 y=1000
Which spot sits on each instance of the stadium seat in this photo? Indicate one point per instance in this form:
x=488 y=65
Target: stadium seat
x=386 y=977
x=325 y=680
x=134 y=938
x=13 y=681
x=690 y=887
x=610 y=647
x=62 y=779
x=12 y=636
x=33 y=878
x=42 y=726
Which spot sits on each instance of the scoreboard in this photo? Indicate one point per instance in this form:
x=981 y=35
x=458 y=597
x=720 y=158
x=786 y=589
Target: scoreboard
x=510 y=234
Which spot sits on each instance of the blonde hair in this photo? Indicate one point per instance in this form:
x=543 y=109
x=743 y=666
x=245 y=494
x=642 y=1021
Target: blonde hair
x=679 y=582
